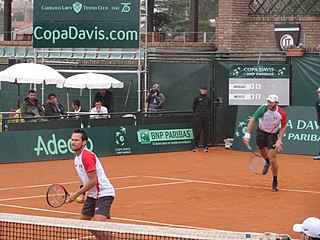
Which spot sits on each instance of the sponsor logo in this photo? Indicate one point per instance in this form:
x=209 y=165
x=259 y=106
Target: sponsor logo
x=165 y=136
x=120 y=141
x=56 y=146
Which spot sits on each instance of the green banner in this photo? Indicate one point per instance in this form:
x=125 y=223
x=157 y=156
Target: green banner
x=104 y=141
x=86 y=10
x=89 y=24
x=85 y=34
x=302 y=134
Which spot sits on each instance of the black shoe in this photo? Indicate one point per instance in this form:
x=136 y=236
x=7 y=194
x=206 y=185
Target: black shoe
x=265 y=168
x=275 y=186
x=195 y=149
x=206 y=149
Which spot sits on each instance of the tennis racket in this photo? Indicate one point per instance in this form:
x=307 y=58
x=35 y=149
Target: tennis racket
x=56 y=195
x=256 y=162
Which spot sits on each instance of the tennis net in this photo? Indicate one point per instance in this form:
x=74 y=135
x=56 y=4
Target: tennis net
x=14 y=226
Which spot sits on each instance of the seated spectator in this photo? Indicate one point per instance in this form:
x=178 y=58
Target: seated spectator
x=161 y=96
x=106 y=98
x=153 y=101
x=309 y=229
x=99 y=110
x=53 y=107
x=30 y=108
x=15 y=117
x=77 y=107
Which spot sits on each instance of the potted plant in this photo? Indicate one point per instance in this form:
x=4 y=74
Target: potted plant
x=295 y=51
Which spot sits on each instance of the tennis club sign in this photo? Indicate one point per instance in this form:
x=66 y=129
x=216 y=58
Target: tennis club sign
x=86 y=23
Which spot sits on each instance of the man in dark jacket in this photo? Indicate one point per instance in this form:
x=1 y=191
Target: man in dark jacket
x=318 y=118
x=53 y=108
x=30 y=107
x=106 y=98
x=201 y=112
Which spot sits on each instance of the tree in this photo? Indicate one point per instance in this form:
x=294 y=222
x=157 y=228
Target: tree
x=174 y=15
x=160 y=20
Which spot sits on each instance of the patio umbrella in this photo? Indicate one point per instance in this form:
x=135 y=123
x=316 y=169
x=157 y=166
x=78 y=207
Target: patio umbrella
x=91 y=81
x=31 y=73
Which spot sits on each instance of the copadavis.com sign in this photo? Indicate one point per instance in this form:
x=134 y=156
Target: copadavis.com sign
x=85 y=23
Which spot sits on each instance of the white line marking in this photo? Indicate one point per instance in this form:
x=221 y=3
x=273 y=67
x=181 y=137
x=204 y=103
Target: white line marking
x=121 y=188
x=36 y=209
x=152 y=185
x=116 y=218
x=231 y=185
x=65 y=183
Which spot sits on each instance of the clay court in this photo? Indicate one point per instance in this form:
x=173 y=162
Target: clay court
x=212 y=190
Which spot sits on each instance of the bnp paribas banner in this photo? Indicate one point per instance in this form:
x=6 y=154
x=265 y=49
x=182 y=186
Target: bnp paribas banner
x=104 y=141
x=86 y=23
x=302 y=134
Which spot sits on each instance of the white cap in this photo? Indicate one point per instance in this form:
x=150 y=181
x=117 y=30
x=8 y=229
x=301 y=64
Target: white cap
x=318 y=90
x=273 y=98
x=310 y=227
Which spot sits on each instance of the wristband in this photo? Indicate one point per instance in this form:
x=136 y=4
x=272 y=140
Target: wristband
x=247 y=135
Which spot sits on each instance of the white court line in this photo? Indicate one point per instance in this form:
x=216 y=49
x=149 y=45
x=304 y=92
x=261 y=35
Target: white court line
x=230 y=184
x=116 y=218
x=121 y=188
x=36 y=209
x=65 y=183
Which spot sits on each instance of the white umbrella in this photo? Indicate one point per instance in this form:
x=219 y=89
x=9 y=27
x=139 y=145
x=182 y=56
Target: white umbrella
x=91 y=81
x=31 y=73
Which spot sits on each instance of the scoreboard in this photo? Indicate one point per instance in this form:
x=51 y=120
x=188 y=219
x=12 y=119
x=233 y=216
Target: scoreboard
x=252 y=84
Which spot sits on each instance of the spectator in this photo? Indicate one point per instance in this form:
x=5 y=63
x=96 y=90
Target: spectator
x=106 y=98
x=53 y=107
x=160 y=95
x=318 y=118
x=154 y=101
x=30 y=108
x=201 y=111
x=99 y=110
x=309 y=229
x=77 y=107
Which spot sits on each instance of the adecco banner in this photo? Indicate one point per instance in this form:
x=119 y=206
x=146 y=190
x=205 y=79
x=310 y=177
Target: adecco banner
x=86 y=23
x=104 y=141
x=302 y=135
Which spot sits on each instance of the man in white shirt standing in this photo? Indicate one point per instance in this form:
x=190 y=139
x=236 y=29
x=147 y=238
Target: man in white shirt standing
x=100 y=193
x=271 y=127
x=98 y=110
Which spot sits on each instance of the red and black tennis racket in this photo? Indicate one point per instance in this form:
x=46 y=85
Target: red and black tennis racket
x=56 y=195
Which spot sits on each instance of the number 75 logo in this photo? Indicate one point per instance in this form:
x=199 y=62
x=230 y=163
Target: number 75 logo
x=125 y=7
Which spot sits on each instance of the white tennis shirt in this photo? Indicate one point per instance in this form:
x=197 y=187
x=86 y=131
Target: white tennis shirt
x=87 y=162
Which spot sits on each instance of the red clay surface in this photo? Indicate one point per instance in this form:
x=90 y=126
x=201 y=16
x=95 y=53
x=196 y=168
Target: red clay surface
x=212 y=190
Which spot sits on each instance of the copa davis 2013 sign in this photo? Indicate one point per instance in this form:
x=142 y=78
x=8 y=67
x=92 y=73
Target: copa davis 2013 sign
x=104 y=141
x=302 y=133
x=86 y=23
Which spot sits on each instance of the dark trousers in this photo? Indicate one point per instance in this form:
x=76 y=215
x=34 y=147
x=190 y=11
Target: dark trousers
x=201 y=123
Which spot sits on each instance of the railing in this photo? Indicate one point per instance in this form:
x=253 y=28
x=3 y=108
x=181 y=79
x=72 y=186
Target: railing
x=14 y=122
x=178 y=36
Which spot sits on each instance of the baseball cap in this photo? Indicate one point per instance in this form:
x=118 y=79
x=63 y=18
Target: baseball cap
x=310 y=227
x=318 y=90
x=273 y=98
x=203 y=86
